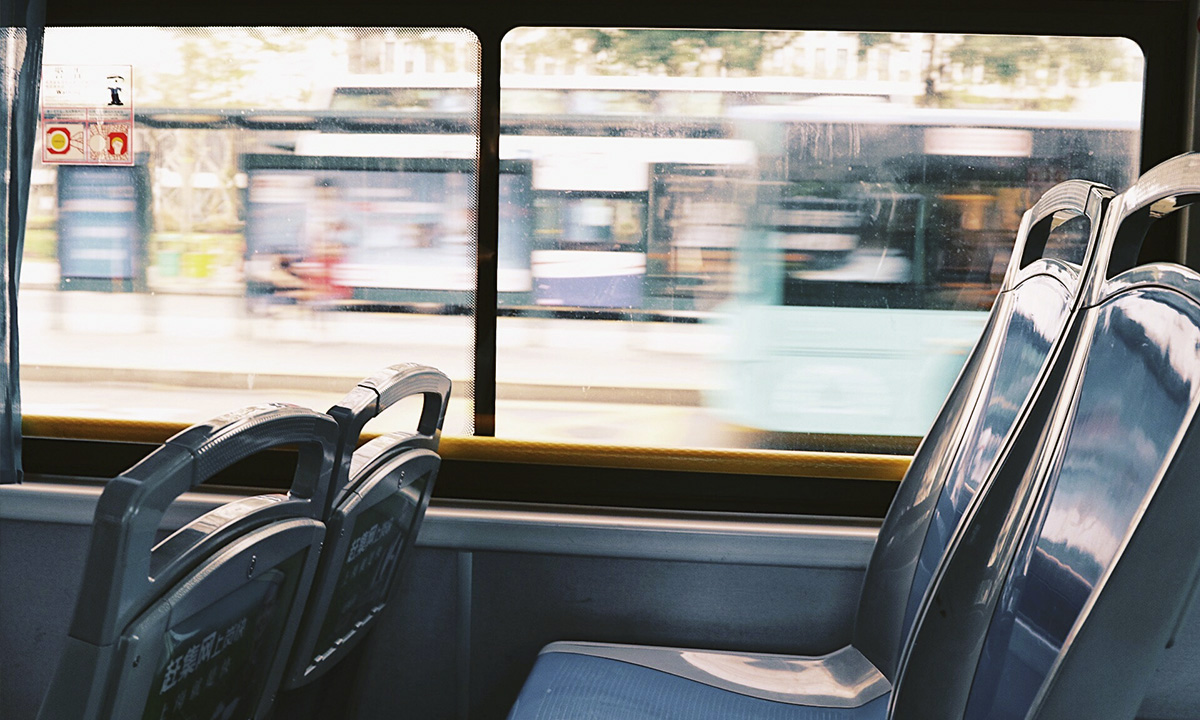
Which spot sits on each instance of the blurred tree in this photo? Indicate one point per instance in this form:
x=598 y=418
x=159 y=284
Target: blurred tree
x=653 y=52
x=866 y=41
x=229 y=67
x=1004 y=57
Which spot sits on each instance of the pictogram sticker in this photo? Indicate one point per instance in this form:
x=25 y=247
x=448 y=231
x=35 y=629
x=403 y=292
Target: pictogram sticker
x=63 y=142
x=87 y=115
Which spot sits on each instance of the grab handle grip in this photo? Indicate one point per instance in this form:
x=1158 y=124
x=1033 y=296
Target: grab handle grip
x=377 y=393
x=1063 y=202
x=1169 y=186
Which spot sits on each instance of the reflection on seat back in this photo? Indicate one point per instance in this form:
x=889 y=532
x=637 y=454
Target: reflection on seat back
x=1140 y=382
x=1030 y=320
x=1058 y=607
x=1027 y=321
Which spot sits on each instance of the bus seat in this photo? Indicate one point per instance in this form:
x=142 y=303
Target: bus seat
x=1023 y=334
x=200 y=624
x=376 y=504
x=1062 y=610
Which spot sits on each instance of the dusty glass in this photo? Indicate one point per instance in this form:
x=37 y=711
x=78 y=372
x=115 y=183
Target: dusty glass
x=778 y=239
x=281 y=232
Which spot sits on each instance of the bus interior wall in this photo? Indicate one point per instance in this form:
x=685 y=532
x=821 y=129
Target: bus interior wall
x=514 y=555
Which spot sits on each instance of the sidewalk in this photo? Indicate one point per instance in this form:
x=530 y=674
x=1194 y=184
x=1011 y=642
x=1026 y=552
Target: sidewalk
x=180 y=358
x=217 y=342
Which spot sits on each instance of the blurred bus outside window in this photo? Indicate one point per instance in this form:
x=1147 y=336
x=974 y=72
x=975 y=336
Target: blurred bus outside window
x=779 y=239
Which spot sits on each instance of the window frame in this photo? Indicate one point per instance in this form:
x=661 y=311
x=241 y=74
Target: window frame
x=507 y=471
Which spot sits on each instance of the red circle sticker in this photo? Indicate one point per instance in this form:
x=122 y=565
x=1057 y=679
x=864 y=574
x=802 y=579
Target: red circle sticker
x=58 y=140
x=118 y=142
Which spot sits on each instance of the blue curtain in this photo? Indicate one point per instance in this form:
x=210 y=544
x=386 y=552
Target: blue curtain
x=21 y=30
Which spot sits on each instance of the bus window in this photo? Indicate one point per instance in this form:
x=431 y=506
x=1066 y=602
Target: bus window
x=275 y=238
x=826 y=215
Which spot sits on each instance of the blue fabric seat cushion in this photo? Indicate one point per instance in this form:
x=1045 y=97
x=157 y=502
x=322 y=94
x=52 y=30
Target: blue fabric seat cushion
x=582 y=687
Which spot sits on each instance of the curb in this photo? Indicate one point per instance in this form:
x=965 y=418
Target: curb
x=229 y=380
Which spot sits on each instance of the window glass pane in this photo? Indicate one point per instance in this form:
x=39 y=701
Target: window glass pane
x=777 y=239
x=298 y=213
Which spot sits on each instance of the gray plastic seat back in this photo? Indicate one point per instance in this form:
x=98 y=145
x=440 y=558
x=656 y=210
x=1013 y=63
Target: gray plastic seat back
x=1027 y=320
x=200 y=624
x=381 y=492
x=1056 y=605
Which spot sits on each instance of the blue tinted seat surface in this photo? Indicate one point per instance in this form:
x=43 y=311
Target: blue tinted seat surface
x=1139 y=383
x=1027 y=321
x=583 y=687
x=1035 y=321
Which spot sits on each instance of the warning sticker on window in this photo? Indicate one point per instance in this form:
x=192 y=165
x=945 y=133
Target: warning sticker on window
x=87 y=114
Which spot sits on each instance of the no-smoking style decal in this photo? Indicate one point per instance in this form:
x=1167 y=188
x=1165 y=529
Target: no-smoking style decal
x=87 y=114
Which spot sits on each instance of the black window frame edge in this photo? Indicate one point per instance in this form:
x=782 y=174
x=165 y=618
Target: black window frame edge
x=1164 y=30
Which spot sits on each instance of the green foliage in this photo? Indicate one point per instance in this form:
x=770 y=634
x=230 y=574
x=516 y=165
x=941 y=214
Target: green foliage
x=1005 y=57
x=866 y=41
x=665 y=52
x=610 y=51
